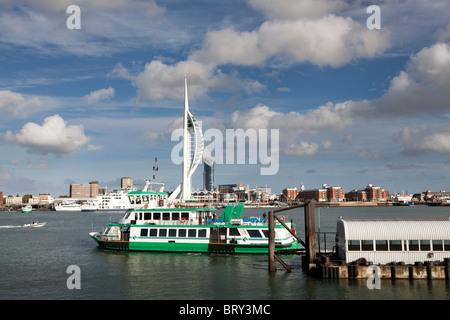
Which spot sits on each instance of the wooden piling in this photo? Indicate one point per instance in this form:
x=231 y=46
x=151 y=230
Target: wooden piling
x=310 y=233
x=272 y=267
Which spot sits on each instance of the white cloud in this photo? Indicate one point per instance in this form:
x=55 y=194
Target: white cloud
x=40 y=25
x=329 y=117
x=422 y=88
x=159 y=81
x=368 y=155
x=326 y=144
x=101 y=94
x=416 y=141
x=304 y=149
x=53 y=136
x=301 y=40
x=92 y=148
x=15 y=104
x=149 y=7
x=293 y=9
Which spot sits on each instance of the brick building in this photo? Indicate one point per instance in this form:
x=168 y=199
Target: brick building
x=290 y=194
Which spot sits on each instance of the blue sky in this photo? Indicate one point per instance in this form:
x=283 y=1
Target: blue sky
x=353 y=106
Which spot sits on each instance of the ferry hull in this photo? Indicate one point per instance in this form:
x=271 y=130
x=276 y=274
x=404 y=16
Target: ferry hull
x=172 y=246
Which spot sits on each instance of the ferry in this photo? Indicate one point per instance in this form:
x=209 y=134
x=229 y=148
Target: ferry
x=68 y=205
x=196 y=230
x=27 y=208
x=151 y=196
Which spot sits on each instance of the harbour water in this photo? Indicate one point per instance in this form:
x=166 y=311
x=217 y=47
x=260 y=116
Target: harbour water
x=34 y=264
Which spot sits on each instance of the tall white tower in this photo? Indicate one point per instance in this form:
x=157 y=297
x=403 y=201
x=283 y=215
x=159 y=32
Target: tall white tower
x=192 y=150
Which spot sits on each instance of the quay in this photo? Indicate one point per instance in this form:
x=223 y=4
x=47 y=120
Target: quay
x=368 y=248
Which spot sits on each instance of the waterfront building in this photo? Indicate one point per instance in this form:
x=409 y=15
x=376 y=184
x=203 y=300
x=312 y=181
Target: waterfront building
x=208 y=176
x=312 y=194
x=356 y=195
x=206 y=196
x=376 y=193
x=326 y=193
x=11 y=200
x=290 y=193
x=436 y=196
x=126 y=183
x=334 y=193
x=1 y=198
x=84 y=190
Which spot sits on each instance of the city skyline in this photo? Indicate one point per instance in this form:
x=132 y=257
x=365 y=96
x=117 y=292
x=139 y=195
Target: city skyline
x=353 y=105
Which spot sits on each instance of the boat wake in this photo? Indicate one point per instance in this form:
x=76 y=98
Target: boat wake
x=9 y=227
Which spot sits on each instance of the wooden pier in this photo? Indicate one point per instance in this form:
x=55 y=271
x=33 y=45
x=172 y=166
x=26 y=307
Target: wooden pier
x=328 y=265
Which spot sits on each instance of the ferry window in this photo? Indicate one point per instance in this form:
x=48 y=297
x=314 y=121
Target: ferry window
x=437 y=245
x=156 y=215
x=145 y=198
x=266 y=233
x=163 y=232
x=138 y=200
x=413 y=245
x=354 y=245
x=192 y=233
x=153 y=232
x=254 y=233
x=140 y=216
x=425 y=245
x=175 y=216
x=233 y=232
x=182 y=233
x=446 y=245
x=127 y=215
x=144 y=232
x=172 y=232
x=166 y=215
x=202 y=233
x=107 y=230
x=367 y=245
x=381 y=245
x=185 y=215
x=395 y=245
x=147 y=216
x=131 y=199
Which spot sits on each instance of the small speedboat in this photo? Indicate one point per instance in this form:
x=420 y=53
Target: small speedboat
x=35 y=224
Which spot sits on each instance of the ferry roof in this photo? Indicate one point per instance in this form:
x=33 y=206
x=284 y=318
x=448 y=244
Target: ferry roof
x=146 y=192
x=394 y=229
x=173 y=209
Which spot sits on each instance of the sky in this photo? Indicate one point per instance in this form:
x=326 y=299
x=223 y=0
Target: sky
x=351 y=105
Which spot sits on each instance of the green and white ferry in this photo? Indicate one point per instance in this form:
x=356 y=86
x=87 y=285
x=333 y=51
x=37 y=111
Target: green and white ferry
x=193 y=230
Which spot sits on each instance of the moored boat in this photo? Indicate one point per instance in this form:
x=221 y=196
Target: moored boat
x=68 y=206
x=193 y=230
x=27 y=208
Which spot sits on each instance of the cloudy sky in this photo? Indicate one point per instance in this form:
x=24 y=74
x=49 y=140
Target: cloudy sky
x=353 y=105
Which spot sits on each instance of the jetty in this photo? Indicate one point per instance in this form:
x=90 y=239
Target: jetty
x=363 y=249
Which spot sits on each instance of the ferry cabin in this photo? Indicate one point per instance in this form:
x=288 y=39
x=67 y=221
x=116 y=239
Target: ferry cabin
x=386 y=241
x=191 y=230
x=150 y=199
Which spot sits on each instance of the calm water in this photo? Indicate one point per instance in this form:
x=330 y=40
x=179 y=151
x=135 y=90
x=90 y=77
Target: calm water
x=34 y=262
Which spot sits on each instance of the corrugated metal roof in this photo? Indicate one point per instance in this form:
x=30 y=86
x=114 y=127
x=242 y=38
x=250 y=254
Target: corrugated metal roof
x=394 y=229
